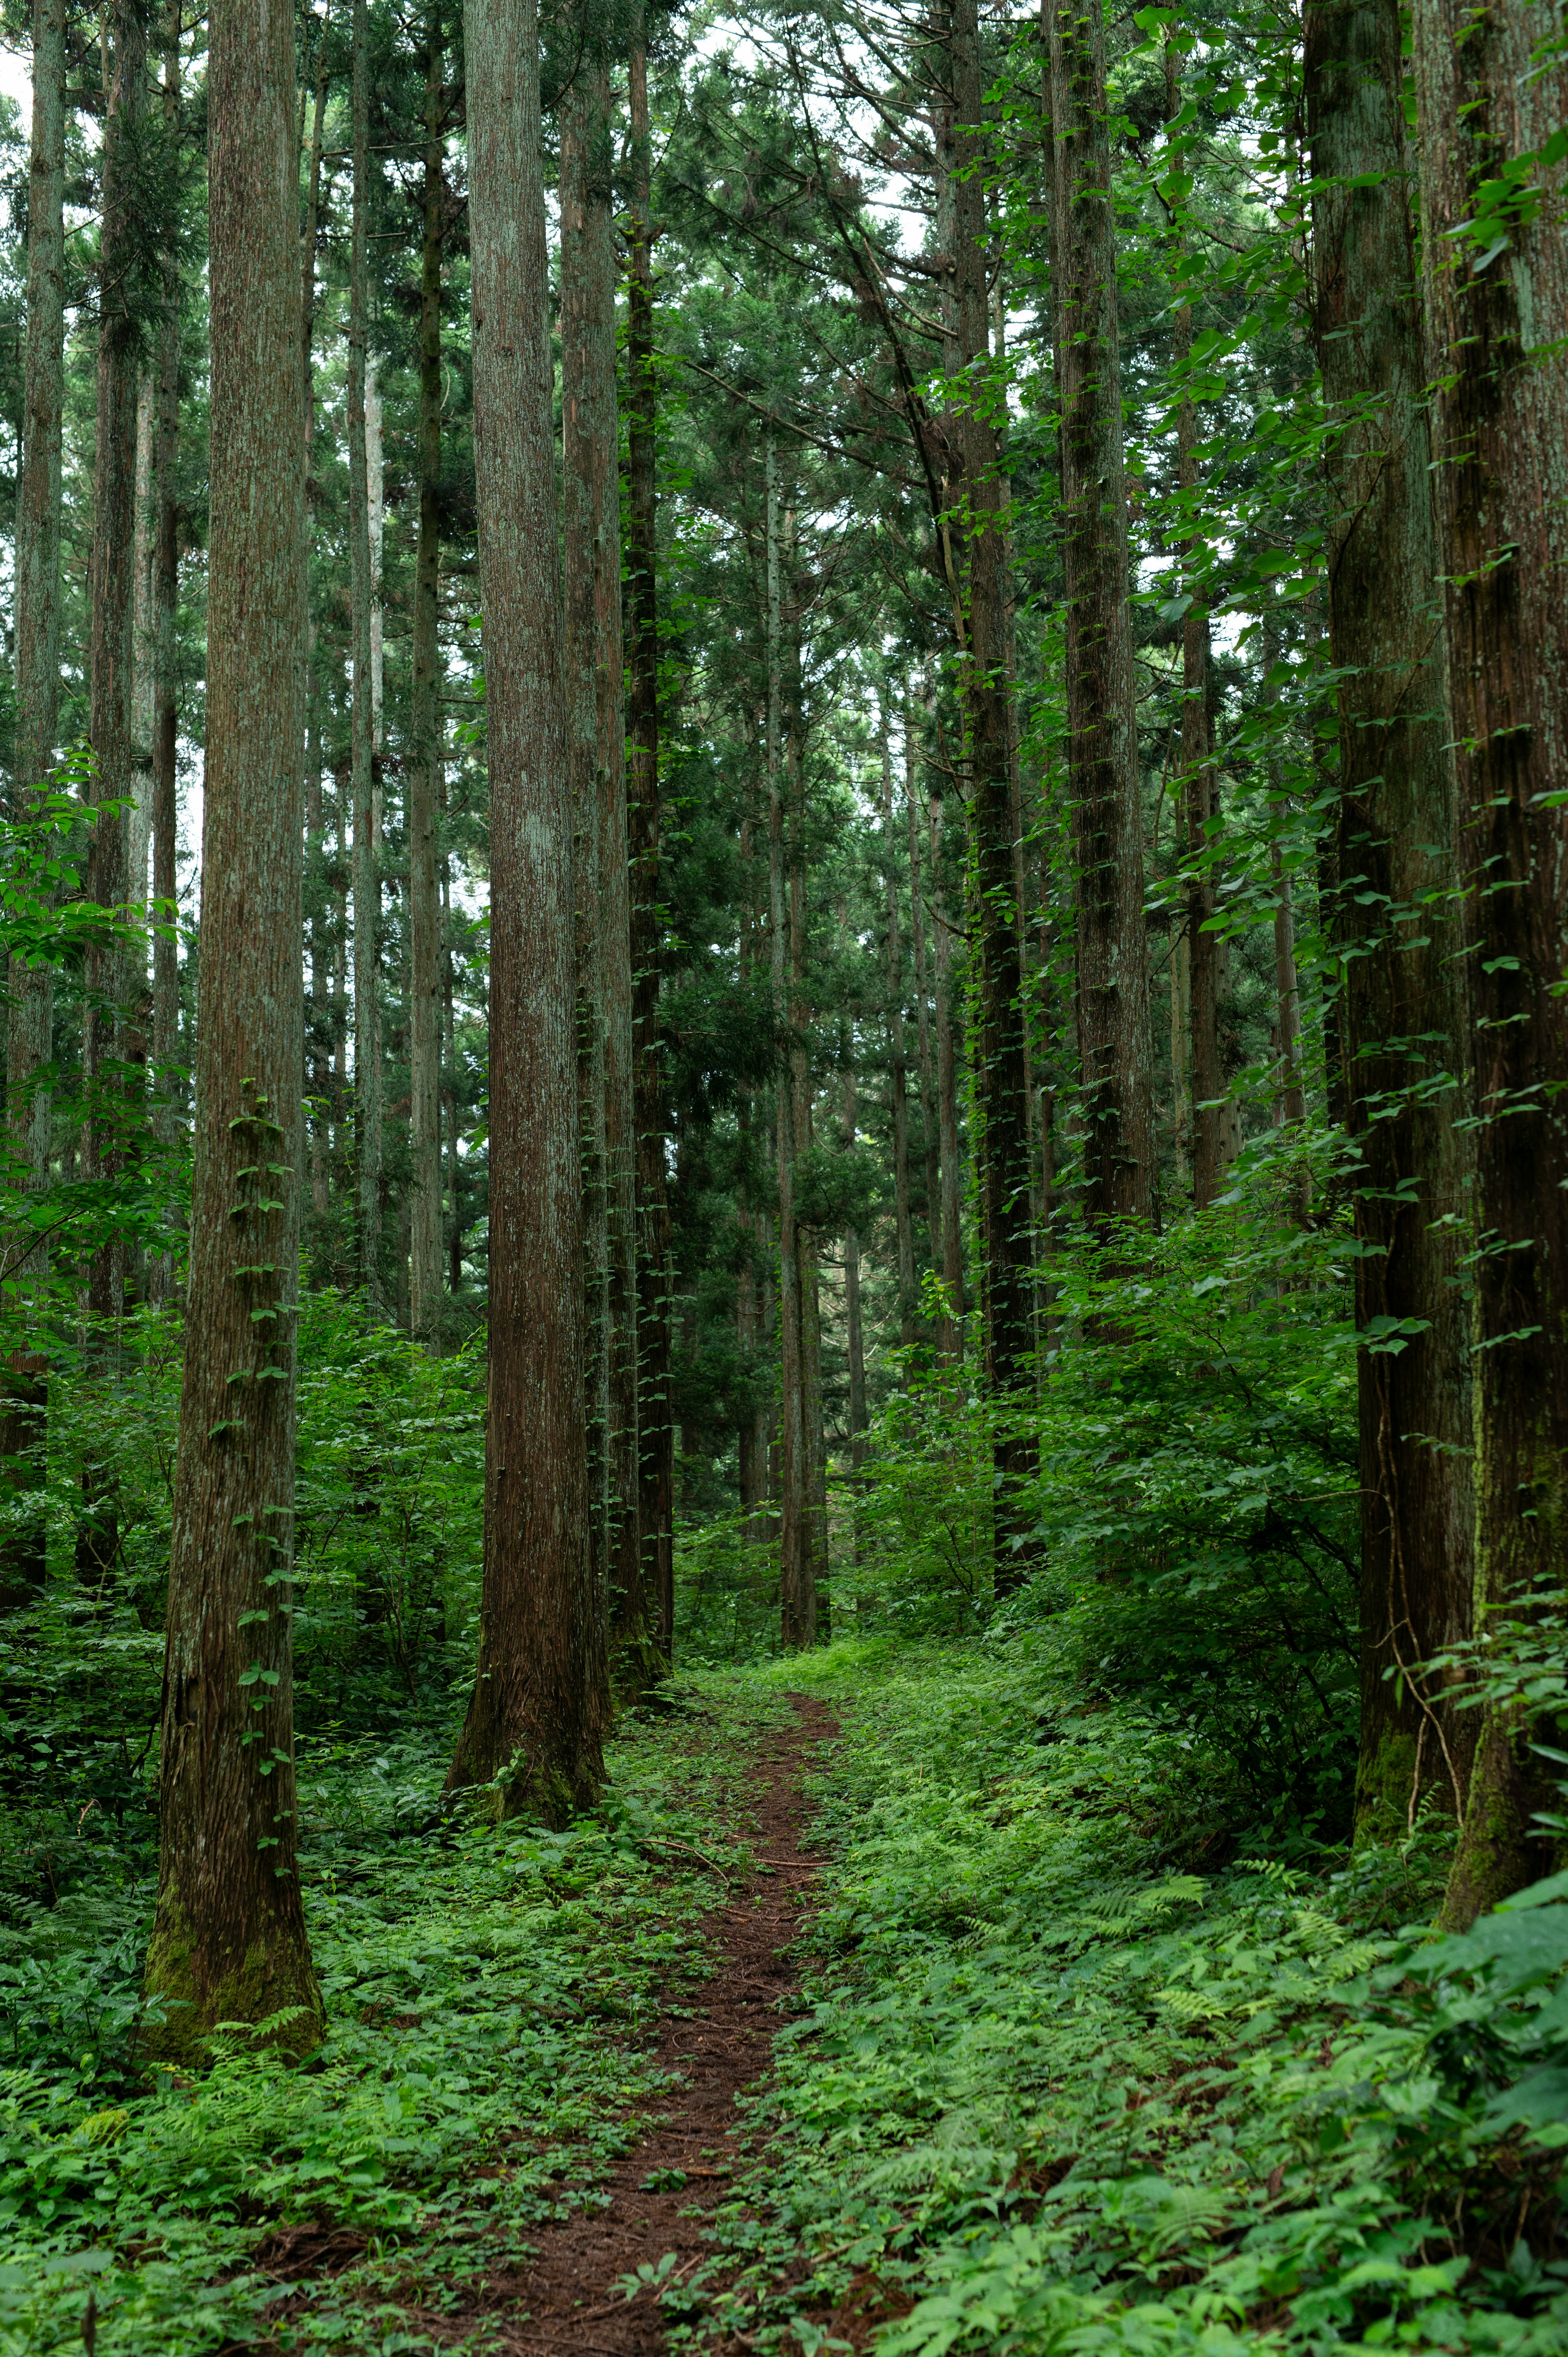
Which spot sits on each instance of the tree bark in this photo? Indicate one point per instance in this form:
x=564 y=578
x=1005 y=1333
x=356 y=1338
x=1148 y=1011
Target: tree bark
x=854 y=1331
x=794 y=1535
x=898 y=1070
x=1203 y=1121
x=535 y=1720
x=166 y=694
x=1102 y=742
x=228 y=1939
x=947 y=1097
x=1402 y=1006
x=580 y=429
x=31 y=1015
x=1002 y=1076
x=366 y=879
x=656 y=1430
x=426 y=747
x=112 y=594
x=1484 y=96
x=629 y=1605
x=928 y=1127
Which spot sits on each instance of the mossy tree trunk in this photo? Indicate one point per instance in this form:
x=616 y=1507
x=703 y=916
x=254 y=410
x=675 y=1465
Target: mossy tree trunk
x=229 y=1938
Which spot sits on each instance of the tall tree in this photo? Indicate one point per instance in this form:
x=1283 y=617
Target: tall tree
x=656 y=1426
x=797 y=1605
x=165 y=691
x=426 y=762
x=113 y=591
x=535 y=1719
x=1102 y=742
x=594 y=660
x=30 y=1019
x=362 y=594
x=1491 y=89
x=898 y=1068
x=1003 y=1074
x=1199 y=1051
x=1402 y=1006
x=228 y=1939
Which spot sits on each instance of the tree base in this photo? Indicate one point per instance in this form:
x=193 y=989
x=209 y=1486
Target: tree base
x=272 y=1989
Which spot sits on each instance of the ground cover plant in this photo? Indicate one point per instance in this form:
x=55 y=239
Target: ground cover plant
x=1050 y=2089
x=489 y=1993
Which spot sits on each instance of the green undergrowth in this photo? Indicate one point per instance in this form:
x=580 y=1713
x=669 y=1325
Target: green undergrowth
x=1053 y=2090
x=490 y=1996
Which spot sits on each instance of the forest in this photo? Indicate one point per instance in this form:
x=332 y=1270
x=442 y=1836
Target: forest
x=784 y=1177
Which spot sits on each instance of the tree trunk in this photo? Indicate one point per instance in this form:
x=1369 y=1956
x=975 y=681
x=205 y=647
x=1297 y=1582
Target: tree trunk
x=166 y=700
x=1292 y=1091
x=591 y=545
x=853 y=1330
x=1103 y=743
x=112 y=592
x=908 y=1297
x=1396 y=828
x=629 y=1605
x=536 y=1716
x=366 y=879
x=794 y=1536
x=1485 y=94
x=947 y=1098
x=655 y=1430
x=31 y=1015
x=813 y=1426
x=228 y=1939
x=1003 y=1077
x=928 y=1130
x=426 y=747
x=1197 y=988
x=144 y=651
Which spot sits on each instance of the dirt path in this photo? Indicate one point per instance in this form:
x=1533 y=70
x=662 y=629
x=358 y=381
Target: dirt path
x=568 y=2300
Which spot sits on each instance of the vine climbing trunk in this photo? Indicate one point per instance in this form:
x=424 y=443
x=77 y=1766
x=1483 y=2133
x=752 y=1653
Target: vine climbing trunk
x=1402 y=1010
x=535 y=1720
x=229 y=1938
x=1490 y=89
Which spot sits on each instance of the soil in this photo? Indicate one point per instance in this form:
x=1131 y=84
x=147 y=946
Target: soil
x=660 y=2196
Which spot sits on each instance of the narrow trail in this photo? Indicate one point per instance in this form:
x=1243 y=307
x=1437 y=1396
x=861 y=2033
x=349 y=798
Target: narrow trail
x=568 y=2300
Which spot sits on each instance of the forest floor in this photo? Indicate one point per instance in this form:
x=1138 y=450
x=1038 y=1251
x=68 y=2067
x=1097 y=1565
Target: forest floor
x=906 y=1994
